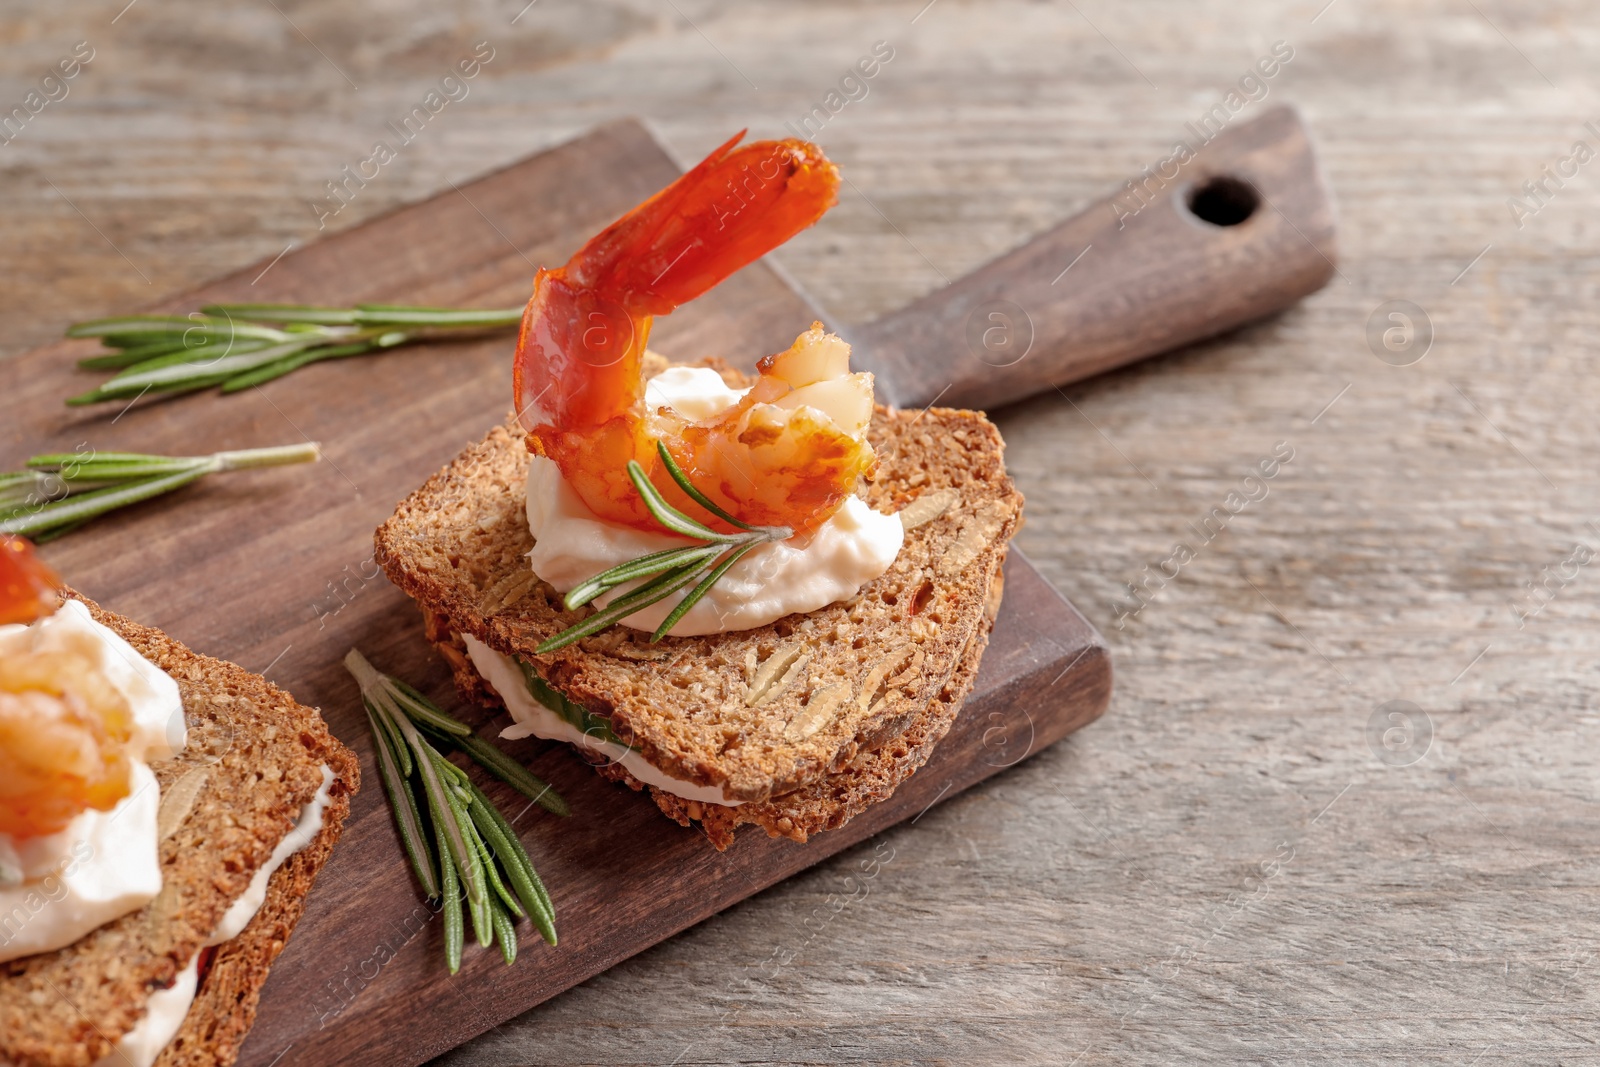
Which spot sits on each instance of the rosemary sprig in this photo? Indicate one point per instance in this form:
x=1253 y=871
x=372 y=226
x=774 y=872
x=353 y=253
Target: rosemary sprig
x=61 y=491
x=673 y=568
x=236 y=346
x=461 y=848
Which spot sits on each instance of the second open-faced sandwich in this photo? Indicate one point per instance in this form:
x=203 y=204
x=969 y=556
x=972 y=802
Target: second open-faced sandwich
x=162 y=817
x=762 y=598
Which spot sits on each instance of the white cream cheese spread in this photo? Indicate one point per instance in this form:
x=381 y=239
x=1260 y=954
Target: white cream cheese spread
x=166 y=1008
x=103 y=864
x=163 y=1015
x=241 y=911
x=803 y=574
x=532 y=719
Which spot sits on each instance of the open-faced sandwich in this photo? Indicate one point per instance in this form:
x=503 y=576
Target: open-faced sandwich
x=762 y=598
x=162 y=817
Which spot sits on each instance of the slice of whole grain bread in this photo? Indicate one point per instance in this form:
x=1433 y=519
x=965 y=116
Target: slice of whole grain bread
x=253 y=760
x=834 y=800
x=757 y=713
x=826 y=804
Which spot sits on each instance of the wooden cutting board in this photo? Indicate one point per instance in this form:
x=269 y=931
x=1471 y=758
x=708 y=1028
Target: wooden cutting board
x=273 y=569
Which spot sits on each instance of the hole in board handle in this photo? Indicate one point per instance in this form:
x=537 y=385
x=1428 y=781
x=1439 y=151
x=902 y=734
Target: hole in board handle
x=1222 y=201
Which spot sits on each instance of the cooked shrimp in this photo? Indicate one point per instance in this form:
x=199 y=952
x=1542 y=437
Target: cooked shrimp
x=64 y=728
x=789 y=453
x=27 y=586
x=64 y=733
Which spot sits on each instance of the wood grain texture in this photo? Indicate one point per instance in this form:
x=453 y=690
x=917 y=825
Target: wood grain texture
x=1434 y=913
x=622 y=880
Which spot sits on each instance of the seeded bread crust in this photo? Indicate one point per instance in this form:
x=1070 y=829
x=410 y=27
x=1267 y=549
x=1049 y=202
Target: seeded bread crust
x=260 y=754
x=836 y=681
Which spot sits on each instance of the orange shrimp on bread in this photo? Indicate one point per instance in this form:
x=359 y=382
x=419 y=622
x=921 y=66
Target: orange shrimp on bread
x=64 y=728
x=790 y=451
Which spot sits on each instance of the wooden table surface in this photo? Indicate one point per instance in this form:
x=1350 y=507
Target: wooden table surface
x=1251 y=858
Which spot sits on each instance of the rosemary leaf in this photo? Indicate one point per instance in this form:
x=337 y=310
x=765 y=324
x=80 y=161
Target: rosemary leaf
x=61 y=491
x=140 y=340
x=643 y=567
x=424 y=709
x=83 y=468
x=454 y=927
x=203 y=356
x=20 y=489
x=73 y=510
x=486 y=855
x=276 y=370
x=505 y=932
x=619 y=609
x=272 y=371
x=237 y=346
x=457 y=777
x=677 y=475
x=93 y=396
x=176 y=327
x=407 y=819
x=471 y=871
x=510 y=853
x=101 y=395
x=59 y=461
x=669 y=516
x=442 y=809
x=322 y=316
x=188 y=374
x=544 y=916
x=127 y=357
x=642 y=594
x=394 y=314
x=694 y=595
x=530 y=890
x=504 y=768
x=397 y=744
x=143 y=339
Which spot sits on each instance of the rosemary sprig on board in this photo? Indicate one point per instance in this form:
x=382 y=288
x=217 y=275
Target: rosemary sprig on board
x=59 y=492
x=458 y=842
x=236 y=346
x=669 y=570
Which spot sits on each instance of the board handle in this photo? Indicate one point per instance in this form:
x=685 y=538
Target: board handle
x=1242 y=229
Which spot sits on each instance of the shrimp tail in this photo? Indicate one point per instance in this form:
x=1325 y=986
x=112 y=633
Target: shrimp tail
x=731 y=209
x=593 y=314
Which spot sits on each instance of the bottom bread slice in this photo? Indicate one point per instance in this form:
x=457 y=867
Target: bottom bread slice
x=253 y=761
x=224 y=1007
x=826 y=804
